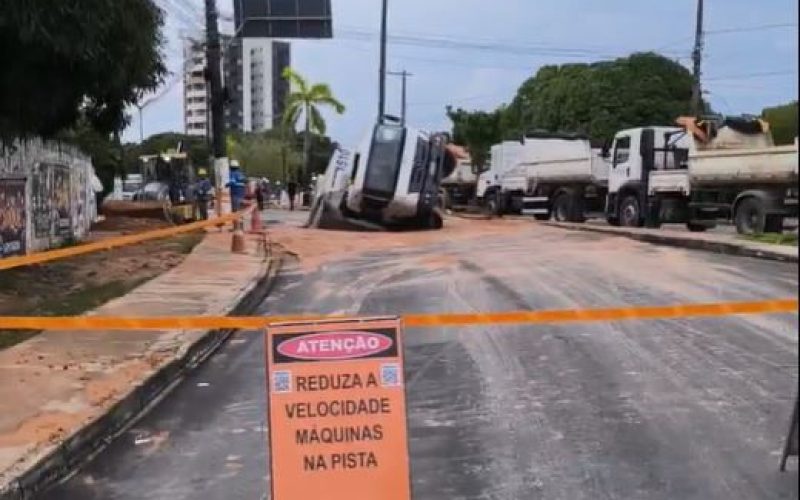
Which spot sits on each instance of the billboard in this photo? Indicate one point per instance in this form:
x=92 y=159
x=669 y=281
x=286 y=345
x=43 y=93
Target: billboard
x=283 y=18
x=12 y=217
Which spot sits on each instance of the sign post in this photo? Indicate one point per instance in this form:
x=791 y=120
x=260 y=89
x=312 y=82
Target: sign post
x=337 y=410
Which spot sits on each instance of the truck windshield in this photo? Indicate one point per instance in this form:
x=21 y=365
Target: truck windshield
x=384 y=159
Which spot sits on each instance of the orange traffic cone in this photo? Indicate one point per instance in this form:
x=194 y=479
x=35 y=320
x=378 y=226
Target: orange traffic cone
x=237 y=242
x=256 y=225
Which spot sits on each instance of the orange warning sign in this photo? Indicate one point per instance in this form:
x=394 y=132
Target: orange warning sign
x=337 y=410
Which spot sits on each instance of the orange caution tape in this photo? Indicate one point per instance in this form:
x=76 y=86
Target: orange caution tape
x=37 y=258
x=410 y=320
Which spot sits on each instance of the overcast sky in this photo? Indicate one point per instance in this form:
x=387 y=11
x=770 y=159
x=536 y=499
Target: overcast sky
x=488 y=48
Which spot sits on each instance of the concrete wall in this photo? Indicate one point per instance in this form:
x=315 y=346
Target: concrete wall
x=59 y=203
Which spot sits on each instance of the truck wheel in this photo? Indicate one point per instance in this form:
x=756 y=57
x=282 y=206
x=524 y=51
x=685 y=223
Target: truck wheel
x=495 y=203
x=445 y=201
x=562 y=209
x=750 y=217
x=630 y=214
x=697 y=228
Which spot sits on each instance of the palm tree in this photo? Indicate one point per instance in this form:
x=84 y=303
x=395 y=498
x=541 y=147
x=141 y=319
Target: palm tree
x=305 y=100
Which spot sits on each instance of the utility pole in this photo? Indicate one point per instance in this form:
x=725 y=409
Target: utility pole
x=217 y=105
x=382 y=76
x=697 y=59
x=404 y=75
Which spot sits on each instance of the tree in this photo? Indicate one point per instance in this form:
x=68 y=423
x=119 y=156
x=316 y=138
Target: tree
x=783 y=122
x=305 y=100
x=601 y=98
x=76 y=59
x=477 y=130
x=261 y=155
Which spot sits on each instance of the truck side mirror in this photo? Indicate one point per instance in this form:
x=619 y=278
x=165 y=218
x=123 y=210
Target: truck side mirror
x=647 y=151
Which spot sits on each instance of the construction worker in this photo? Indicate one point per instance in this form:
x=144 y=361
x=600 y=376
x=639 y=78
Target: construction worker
x=202 y=193
x=291 y=190
x=237 y=184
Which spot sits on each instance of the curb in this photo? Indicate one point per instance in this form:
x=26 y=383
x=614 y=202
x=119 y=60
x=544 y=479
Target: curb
x=719 y=247
x=87 y=442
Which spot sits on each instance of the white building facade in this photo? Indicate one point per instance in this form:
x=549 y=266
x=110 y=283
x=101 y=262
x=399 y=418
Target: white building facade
x=252 y=76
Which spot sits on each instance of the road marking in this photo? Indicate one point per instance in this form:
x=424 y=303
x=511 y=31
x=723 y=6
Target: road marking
x=553 y=316
x=38 y=258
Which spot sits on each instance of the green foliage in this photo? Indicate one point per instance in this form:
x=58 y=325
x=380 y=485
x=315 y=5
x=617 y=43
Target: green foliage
x=305 y=101
x=477 y=130
x=261 y=155
x=601 y=98
x=783 y=122
x=596 y=99
x=69 y=59
x=197 y=148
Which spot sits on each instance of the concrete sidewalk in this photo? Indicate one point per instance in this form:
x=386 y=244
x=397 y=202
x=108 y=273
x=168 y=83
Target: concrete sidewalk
x=64 y=394
x=710 y=241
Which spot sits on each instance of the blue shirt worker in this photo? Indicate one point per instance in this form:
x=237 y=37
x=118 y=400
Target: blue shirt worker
x=202 y=194
x=237 y=185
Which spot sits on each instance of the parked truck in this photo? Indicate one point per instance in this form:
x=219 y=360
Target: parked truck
x=544 y=175
x=697 y=174
x=458 y=188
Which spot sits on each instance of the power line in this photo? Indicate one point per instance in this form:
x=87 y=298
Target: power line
x=752 y=75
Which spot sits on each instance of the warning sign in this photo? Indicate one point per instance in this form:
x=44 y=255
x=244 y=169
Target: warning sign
x=337 y=410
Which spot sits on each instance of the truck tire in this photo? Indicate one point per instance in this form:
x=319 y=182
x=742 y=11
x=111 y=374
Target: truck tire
x=630 y=213
x=445 y=201
x=750 y=217
x=495 y=203
x=695 y=227
x=562 y=208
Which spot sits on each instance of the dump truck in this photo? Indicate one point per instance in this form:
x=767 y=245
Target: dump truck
x=458 y=188
x=544 y=174
x=698 y=173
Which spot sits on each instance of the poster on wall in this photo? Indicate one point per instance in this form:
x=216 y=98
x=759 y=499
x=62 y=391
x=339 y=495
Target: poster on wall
x=61 y=195
x=12 y=217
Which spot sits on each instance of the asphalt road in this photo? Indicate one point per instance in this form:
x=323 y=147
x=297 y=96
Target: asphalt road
x=679 y=409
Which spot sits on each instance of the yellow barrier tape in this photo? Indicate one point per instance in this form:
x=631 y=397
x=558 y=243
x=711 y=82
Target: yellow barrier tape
x=410 y=320
x=37 y=258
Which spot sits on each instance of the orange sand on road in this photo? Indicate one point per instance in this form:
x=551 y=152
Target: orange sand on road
x=315 y=247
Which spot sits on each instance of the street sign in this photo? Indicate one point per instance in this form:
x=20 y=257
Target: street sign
x=283 y=18
x=337 y=410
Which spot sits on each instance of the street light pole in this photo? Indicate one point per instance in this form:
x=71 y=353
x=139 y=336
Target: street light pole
x=697 y=59
x=382 y=76
x=141 y=123
x=404 y=75
x=215 y=80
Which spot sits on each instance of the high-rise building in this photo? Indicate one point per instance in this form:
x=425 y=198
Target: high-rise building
x=196 y=109
x=252 y=70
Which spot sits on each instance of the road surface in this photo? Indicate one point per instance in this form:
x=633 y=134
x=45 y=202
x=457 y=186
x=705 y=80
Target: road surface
x=679 y=409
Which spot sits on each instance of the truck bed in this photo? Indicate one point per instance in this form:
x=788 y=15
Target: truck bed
x=576 y=169
x=772 y=165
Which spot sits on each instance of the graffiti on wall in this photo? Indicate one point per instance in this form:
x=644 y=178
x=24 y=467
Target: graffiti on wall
x=61 y=199
x=12 y=217
x=51 y=198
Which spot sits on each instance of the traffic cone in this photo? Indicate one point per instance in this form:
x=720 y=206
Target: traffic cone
x=237 y=242
x=256 y=225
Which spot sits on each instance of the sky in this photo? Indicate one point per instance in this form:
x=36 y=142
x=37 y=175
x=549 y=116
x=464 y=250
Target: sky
x=483 y=50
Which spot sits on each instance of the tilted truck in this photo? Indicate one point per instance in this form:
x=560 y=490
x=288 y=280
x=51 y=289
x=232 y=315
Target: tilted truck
x=391 y=179
x=695 y=174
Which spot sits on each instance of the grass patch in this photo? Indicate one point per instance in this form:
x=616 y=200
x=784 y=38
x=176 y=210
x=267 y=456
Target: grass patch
x=72 y=304
x=789 y=239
